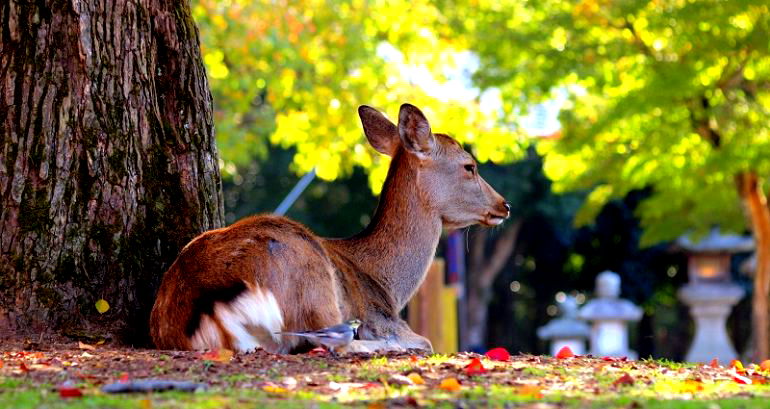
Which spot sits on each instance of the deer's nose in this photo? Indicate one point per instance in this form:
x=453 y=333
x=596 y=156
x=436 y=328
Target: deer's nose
x=507 y=206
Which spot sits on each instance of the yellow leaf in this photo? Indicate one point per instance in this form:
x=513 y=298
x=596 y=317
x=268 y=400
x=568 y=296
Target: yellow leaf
x=86 y=346
x=145 y=404
x=102 y=306
x=274 y=389
x=450 y=384
x=416 y=378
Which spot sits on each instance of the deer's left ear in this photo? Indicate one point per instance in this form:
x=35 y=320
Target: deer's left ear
x=414 y=131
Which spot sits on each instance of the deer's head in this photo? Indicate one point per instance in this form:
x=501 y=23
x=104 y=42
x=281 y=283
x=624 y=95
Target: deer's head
x=447 y=177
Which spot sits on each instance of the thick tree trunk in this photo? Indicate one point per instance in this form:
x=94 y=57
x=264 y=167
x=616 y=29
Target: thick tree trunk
x=108 y=163
x=755 y=202
x=481 y=275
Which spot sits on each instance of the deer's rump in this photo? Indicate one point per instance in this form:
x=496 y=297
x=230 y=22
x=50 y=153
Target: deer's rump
x=236 y=287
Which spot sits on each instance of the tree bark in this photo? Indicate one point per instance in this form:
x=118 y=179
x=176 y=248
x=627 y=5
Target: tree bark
x=481 y=275
x=108 y=163
x=755 y=202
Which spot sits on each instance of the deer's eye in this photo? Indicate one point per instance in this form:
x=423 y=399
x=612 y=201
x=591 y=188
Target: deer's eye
x=470 y=168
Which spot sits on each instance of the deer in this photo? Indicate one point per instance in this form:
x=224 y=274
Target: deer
x=240 y=286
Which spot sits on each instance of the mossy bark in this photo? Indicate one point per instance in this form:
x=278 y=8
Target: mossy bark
x=108 y=163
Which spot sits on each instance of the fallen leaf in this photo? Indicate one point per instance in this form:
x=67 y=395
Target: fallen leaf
x=530 y=391
x=416 y=378
x=375 y=405
x=714 y=363
x=289 y=382
x=23 y=367
x=318 y=351
x=475 y=367
x=564 y=352
x=123 y=377
x=625 y=379
x=413 y=359
x=498 y=354
x=218 y=355
x=145 y=404
x=399 y=379
x=70 y=392
x=102 y=306
x=741 y=379
x=450 y=384
x=369 y=385
x=85 y=346
x=764 y=366
x=270 y=388
x=737 y=365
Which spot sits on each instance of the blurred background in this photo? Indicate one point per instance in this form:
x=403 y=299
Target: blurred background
x=613 y=128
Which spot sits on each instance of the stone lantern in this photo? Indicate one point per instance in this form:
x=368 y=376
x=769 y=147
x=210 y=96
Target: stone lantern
x=566 y=331
x=610 y=315
x=710 y=294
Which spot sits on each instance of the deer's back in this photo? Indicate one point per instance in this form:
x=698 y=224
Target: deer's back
x=266 y=268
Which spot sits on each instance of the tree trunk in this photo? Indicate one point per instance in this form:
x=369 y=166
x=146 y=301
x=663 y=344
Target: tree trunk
x=108 y=163
x=755 y=202
x=481 y=275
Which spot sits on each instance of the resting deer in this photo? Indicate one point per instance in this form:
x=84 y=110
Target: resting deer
x=238 y=286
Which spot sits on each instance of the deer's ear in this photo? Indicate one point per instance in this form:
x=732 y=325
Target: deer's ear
x=380 y=132
x=414 y=131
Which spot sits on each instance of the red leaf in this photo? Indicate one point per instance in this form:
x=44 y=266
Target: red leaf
x=69 y=392
x=626 y=379
x=475 y=367
x=318 y=351
x=498 y=354
x=123 y=377
x=564 y=353
x=714 y=363
x=413 y=359
x=23 y=367
x=741 y=379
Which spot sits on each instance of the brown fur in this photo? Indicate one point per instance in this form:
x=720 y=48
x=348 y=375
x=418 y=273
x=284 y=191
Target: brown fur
x=321 y=282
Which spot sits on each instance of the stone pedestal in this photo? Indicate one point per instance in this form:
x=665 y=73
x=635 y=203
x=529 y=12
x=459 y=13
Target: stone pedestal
x=710 y=305
x=610 y=315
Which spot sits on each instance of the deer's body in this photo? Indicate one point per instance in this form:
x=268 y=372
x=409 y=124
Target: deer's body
x=236 y=287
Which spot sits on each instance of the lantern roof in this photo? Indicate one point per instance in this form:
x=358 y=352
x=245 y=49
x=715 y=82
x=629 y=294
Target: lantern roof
x=567 y=326
x=716 y=242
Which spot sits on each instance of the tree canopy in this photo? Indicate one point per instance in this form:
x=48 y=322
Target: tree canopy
x=668 y=94
x=294 y=73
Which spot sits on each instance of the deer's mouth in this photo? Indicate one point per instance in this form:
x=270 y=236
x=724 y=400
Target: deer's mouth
x=494 y=219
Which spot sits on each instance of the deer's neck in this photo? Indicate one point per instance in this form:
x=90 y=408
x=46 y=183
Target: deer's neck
x=399 y=244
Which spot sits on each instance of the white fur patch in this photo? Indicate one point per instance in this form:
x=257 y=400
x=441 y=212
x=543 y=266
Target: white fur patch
x=253 y=309
x=207 y=336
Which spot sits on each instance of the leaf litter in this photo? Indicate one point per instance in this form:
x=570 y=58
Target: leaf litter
x=391 y=379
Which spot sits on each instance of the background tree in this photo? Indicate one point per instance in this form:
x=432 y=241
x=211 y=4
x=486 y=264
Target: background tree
x=108 y=164
x=664 y=94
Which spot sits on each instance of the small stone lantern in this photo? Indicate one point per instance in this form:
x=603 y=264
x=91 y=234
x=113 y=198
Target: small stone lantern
x=710 y=293
x=610 y=315
x=566 y=331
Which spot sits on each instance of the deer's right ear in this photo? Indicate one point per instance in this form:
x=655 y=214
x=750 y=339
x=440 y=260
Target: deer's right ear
x=379 y=131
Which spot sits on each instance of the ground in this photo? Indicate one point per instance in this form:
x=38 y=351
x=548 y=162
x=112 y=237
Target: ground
x=71 y=374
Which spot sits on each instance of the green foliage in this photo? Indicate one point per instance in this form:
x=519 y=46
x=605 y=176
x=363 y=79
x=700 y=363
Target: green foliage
x=294 y=73
x=668 y=94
